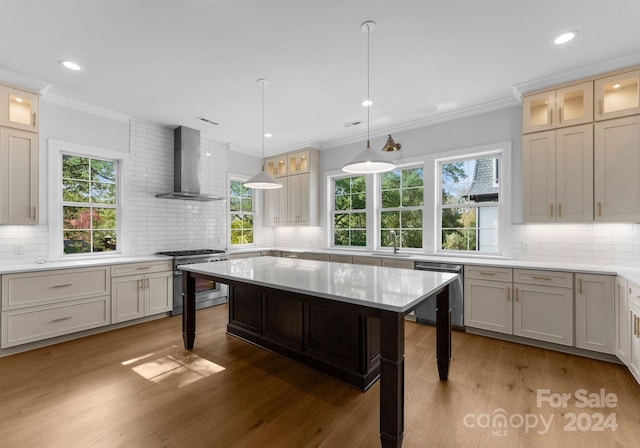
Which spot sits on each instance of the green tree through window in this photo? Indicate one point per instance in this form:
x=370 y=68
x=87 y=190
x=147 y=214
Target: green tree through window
x=89 y=205
x=349 y=211
x=241 y=213
x=470 y=204
x=402 y=201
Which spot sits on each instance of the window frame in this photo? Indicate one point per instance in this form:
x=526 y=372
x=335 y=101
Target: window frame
x=331 y=211
x=56 y=243
x=255 y=202
x=504 y=205
x=379 y=209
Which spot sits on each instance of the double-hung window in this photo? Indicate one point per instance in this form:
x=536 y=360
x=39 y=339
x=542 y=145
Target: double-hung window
x=90 y=221
x=349 y=211
x=470 y=204
x=401 y=207
x=241 y=213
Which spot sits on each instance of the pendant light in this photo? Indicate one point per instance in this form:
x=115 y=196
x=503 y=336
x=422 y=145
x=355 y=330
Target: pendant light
x=368 y=161
x=262 y=180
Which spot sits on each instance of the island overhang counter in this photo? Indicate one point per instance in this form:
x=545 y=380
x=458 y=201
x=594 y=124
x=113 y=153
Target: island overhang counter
x=342 y=319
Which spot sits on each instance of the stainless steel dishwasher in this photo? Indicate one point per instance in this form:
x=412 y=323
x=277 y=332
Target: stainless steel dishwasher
x=427 y=312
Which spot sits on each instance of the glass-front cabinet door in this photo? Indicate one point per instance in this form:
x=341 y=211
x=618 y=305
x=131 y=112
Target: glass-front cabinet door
x=299 y=162
x=617 y=95
x=276 y=166
x=574 y=104
x=19 y=109
x=537 y=112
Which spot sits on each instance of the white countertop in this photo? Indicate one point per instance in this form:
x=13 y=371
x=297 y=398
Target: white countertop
x=378 y=287
x=83 y=263
x=626 y=272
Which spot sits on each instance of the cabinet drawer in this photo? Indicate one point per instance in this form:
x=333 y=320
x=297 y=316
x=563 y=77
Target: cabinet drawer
x=368 y=261
x=543 y=278
x=118 y=270
x=40 y=288
x=341 y=258
x=489 y=273
x=42 y=322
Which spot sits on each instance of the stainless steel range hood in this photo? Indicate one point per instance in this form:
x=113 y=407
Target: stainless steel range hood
x=186 y=168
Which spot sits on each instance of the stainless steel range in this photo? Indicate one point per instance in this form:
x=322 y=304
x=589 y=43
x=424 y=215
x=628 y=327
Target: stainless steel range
x=208 y=293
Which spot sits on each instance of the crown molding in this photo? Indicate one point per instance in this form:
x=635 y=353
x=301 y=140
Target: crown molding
x=23 y=81
x=294 y=147
x=434 y=119
x=574 y=75
x=243 y=149
x=85 y=107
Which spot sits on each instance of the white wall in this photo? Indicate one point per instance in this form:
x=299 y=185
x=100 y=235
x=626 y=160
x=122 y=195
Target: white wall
x=153 y=224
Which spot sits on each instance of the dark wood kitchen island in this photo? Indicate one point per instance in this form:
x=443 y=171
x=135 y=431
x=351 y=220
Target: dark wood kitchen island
x=342 y=319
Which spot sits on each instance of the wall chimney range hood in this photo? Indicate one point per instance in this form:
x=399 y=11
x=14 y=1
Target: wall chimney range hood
x=186 y=167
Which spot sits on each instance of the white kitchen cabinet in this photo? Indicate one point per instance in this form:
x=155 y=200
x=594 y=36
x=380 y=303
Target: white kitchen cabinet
x=43 y=304
x=567 y=106
x=142 y=294
x=558 y=175
x=19 y=168
x=621 y=314
x=276 y=166
x=617 y=95
x=297 y=203
x=19 y=109
x=634 y=349
x=487 y=298
x=275 y=205
x=302 y=204
x=543 y=306
x=617 y=170
x=299 y=162
x=595 y=308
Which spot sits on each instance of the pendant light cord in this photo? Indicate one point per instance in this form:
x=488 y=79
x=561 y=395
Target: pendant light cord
x=368 y=84
x=262 y=120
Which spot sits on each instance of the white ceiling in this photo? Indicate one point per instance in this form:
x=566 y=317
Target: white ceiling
x=169 y=62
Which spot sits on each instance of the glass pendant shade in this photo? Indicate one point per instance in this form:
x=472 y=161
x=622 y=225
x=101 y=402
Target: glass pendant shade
x=262 y=181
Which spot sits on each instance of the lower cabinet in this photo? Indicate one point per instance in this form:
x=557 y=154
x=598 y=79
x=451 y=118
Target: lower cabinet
x=43 y=304
x=634 y=349
x=140 y=295
x=523 y=302
x=621 y=316
x=595 y=308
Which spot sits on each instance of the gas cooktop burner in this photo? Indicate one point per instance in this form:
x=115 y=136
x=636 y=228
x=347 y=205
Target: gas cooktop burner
x=188 y=253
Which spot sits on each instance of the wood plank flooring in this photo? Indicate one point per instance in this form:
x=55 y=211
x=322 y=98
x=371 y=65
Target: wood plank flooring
x=137 y=387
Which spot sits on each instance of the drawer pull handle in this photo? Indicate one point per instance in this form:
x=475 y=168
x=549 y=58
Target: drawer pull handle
x=539 y=277
x=144 y=267
x=559 y=210
x=60 y=319
x=516 y=294
x=559 y=114
x=147 y=283
x=599 y=208
x=600 y=106
x=63 y=285
x=551 y=210
x=580 y=286
x=551 y=116
x=487 y=273
x=508 y=293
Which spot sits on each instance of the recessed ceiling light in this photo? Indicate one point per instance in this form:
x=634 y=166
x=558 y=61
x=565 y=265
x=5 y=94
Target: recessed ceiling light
x=565 y=37
x=71 y=65
x=367 y=103
x=268 y=135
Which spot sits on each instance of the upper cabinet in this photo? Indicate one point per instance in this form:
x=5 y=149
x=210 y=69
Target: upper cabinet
x=617 y=95
x=563 y=107
x=297 y=203
x=276 y=166
x=19 y=166
x=19 y=109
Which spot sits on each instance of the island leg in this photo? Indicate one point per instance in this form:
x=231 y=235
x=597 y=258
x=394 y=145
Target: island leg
x=391 y=379
x=443 y=333
x=188 y=310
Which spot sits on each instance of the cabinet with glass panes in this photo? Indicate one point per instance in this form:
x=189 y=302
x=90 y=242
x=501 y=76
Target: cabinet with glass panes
x=567 y=106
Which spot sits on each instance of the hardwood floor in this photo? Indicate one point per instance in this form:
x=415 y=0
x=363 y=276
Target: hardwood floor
x=137 y=387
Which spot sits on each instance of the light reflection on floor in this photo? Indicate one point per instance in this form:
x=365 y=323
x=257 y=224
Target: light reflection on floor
x=174 y=367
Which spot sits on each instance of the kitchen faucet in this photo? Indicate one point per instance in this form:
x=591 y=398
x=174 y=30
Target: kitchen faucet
x=392 y=234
